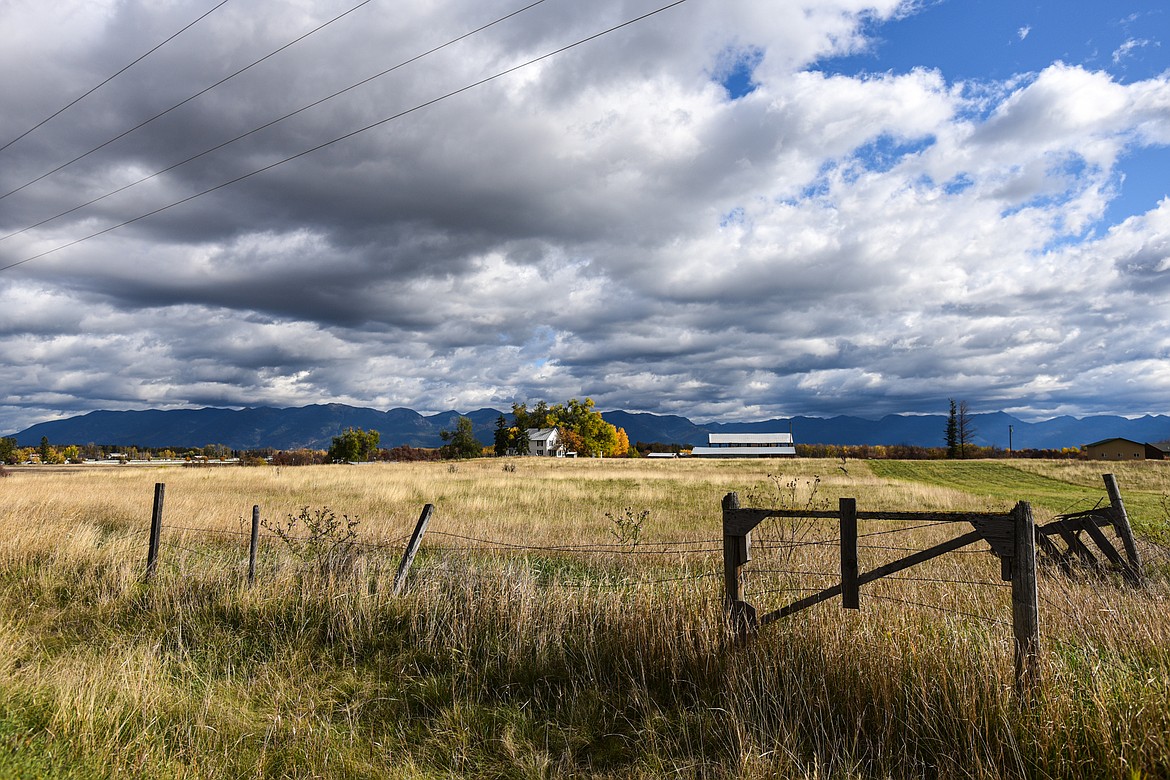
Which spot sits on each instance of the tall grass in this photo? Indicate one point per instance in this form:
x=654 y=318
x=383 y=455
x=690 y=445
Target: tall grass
x=504 y=662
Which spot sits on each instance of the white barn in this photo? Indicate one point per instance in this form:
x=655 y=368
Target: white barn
x=747 y=445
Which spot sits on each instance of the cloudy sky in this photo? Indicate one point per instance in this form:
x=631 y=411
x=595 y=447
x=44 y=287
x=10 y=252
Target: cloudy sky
x=731 y=209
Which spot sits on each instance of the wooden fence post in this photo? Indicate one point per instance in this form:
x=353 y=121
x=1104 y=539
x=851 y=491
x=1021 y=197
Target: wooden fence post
x=1121 y=525
x=412 y=548
x=732 y=567
x=737 y=551
x=850 y=597
x=1025 y=600
x=255 y=542
x=155 y=530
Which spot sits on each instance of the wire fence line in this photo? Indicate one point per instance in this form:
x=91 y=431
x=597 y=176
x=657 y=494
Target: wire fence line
x=483 y=544
x=477 y=546
x=942 y=609
x=771 y=574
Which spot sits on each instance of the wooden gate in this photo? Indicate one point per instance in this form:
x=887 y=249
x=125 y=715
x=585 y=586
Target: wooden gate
x=1012 y=536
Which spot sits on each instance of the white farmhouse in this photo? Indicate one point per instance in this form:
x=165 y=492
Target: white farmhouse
x=747 y=445
x=542 y=441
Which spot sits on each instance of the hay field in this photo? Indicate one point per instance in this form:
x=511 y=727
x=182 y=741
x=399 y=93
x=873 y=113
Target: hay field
x=536 y=639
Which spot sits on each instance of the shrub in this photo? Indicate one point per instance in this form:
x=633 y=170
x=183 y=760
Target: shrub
x=327 y=546
x=301 y=457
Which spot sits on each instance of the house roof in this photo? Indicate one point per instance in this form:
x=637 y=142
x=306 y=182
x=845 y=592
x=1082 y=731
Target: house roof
x=1116 y=438
x=540 y=434
x=749 y=438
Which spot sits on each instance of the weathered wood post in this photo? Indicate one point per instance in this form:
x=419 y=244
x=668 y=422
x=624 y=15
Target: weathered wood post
x=850 y=597
x=1025 y=600
x=155 y=530
x=412 y=548
x=735 y=548
x=737 y=551
x=1121 y=525
x=255 y=542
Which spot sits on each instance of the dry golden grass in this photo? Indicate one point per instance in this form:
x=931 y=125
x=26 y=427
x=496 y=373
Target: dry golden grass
x=504 y=662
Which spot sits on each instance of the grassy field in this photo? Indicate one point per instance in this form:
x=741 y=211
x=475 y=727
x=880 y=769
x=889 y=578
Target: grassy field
x=563 y=620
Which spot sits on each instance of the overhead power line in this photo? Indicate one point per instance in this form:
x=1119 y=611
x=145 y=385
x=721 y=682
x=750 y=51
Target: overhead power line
x=351 y=134
x=187 y=100
x=279 y=119
x=139 y=59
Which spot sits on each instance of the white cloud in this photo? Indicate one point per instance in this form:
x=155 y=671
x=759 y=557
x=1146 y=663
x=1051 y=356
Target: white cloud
x=607 y=224
x=1126 y=49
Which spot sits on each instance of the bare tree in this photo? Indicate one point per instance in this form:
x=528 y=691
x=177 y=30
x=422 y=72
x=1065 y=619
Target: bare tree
x=953 y=430
x=964 y=428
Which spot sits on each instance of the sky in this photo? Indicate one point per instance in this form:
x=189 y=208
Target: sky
x=723 y=209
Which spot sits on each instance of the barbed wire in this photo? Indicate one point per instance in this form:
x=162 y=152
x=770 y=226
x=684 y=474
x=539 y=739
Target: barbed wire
x=628 y=548
x=909 y=528
x=795 y=545
x=796 y=572
x=205 y=530
x=937 y=608
x=205 y=554
x=944 y=581
x=790 y=590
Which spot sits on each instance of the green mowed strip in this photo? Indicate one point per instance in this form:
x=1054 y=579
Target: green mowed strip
x=1001 y=485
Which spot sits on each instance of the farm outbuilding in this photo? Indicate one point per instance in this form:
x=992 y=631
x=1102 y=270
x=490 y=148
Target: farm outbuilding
x=747 y=445
x=1123 y=449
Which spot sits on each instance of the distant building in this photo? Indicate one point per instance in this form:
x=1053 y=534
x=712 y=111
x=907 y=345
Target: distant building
x=747 y=445
x=543 y=441
x=1122 y=449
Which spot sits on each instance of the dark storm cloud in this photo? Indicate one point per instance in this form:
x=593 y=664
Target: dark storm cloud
x=608 y=222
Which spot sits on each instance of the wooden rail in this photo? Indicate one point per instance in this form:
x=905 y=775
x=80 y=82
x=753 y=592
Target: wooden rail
x=1010 y=536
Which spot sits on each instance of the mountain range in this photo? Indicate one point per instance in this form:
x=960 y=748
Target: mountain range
x=315 y=426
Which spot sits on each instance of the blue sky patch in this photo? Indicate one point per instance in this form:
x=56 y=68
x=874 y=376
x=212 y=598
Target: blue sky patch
x=996 y=39
x=885 y=152
x=736 y=72
x=737 y=216
x=958 y=185
x=1142 y=182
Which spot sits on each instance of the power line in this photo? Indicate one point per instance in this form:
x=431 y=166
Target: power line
x=266 y=125
x=184 y=101
x=351 y=134
x=77 y=100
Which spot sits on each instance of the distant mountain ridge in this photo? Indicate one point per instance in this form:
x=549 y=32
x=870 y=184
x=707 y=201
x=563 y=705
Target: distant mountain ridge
x=315 y=426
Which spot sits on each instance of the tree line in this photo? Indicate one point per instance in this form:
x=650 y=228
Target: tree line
x=580 y=429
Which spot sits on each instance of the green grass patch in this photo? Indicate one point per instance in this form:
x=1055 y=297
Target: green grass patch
x=996 y=486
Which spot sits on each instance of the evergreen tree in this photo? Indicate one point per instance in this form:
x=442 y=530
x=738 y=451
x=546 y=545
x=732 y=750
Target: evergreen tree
x=953 y=431
x=502 y=436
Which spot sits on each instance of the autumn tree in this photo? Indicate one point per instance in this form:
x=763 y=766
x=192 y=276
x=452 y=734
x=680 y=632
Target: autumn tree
x=581 y=427
x=571 y=441
x=622 y=448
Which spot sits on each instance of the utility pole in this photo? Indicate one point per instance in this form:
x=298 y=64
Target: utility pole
x=1009 y=440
